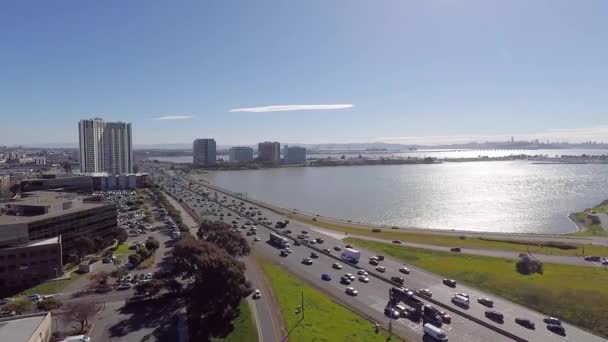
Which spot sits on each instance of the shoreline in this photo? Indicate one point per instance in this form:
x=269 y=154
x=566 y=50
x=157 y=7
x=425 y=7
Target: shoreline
x=301 y=215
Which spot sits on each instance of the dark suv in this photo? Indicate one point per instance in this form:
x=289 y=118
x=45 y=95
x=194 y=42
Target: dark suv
x=398 y=280
x=495 y=315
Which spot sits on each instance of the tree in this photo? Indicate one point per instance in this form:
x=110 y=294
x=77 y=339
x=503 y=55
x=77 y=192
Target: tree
x=100 y=279
x=152 y=244
x=66 y=166
x=527 y=265
x=217 y=286
x=143 y=253
x=151 y=288
x=49 y=304
x=173 y=286
x=121 y=235
x=135 y=259
x=19 y=306
x=98 y=243
x=80 y=312
x=84 y=246
x=15 y=188
x=222 y=235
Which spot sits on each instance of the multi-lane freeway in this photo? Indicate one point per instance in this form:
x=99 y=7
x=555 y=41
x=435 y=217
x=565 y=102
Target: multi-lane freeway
x=373 y=296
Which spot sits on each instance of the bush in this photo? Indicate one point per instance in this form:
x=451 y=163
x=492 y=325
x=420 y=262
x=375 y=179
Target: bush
x=527 y=265
x=49 y=304
x=376 y=230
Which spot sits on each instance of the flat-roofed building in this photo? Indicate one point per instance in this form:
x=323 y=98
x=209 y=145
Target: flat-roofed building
x=36 y=327
x=241 y=153
x=204 y=152
x=23 y=266
x=294 y=155
x=269 y=151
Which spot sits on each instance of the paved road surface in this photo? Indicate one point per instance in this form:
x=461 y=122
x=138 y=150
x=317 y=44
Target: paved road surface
x=557 y=259
x=373 y=296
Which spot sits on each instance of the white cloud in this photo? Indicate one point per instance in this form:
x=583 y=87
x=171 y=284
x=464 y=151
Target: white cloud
x=289 y=108
x=174 y=117
x=571 y=135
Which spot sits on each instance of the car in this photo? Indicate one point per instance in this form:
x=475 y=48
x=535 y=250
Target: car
x=344 y=280
x=319 y=240
x=552 y=320
x=404 y=269
x=398 y=280
x=35 y=297
x=307 y=261
x=373 y=261
x=425 y=292
x=362 y=272
x=314 y=255
x=312 y=242
x=256 y=294
x=364 y=279
x=351 y=291
x=149 y=276
x=288 y=250
x=592 y=258
x=455 y=249
x=495 y=315
x=348 y=246
x=349 y=276
x=463 y=295
x=381 y=269
x=327 y=250
x=485 y=301
x=524 y=322
x=398 y=242
x=449 y=282
x=284 y=253
x=558 y=329
x=336 y=266
x=326 y=277
x=380 y=257
x=256 y=239
x=391 y=312
x=297 y=243
x=337 y=248
x=445 y=317
x=125 y=286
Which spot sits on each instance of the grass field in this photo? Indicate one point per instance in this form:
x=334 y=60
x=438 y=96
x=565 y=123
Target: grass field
x=573 y=293
x=244 y=327
x=574 y=249
x=123 y=248
x=51 y=287
x=324 y=320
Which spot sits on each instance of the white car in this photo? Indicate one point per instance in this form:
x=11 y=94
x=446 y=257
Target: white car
x=349 y=276
x=337 y=266
x=404 y=269
x=381 y=269
x=256 y=294
x=362 y=272
x=364 y=279
x=256 y=239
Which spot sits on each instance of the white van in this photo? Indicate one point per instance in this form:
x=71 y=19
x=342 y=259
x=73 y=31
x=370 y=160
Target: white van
x=460 y=300
x=435 y=332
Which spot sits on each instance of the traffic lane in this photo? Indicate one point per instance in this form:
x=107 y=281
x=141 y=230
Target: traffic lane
x=419 y=278
x=268 y=324
x=379 y=299
x=372 y=297
x=446 y=295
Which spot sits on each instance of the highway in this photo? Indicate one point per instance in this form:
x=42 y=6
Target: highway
x=373 y=296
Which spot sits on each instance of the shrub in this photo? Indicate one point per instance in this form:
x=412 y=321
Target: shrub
x=376 y=230
x=527 y=265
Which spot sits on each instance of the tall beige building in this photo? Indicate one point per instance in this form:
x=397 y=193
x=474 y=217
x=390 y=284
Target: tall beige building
x=5 y=186
x=105 y=146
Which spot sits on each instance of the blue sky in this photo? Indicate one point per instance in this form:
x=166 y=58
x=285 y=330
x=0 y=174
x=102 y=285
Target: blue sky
x=413 y=71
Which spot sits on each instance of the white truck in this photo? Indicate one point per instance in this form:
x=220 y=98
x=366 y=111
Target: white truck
x=351 y=255
x=460 y=300
x=434 y=332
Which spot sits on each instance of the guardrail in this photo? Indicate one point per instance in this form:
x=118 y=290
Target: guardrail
x=378 y=276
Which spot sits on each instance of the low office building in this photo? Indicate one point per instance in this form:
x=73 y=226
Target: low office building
x=35 y=327
x=43 y=215
x=241 y=154
x=25 y=265
x=75 y=183
x=104 y=181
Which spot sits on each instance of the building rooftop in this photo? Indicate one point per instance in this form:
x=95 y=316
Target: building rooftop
x=49 y=241
x=54 y=203
x=20 y=328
